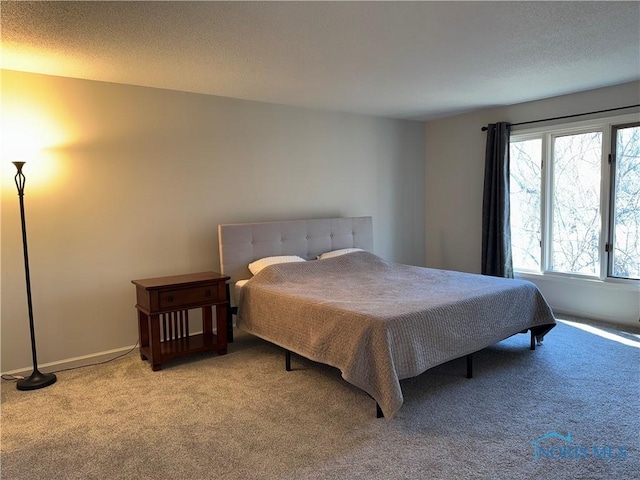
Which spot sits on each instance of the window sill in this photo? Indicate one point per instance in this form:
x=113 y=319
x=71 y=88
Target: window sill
x=613 y=283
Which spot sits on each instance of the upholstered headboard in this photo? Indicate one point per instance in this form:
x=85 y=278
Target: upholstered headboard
x=242 y=243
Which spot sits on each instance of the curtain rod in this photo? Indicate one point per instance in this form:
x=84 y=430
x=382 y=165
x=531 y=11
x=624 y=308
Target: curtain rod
x=484 y=129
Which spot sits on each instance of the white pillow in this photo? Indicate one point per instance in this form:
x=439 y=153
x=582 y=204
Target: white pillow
x=258 y=265
x=337 y=253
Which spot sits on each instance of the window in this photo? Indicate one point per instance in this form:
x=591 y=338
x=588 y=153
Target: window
x=525 y=187
x=624 y=247
x=575 y=199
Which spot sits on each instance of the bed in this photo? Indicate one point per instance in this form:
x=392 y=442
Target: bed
x=377 y=321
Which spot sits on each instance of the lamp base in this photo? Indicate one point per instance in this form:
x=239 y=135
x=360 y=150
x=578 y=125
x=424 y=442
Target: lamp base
x=36 y=380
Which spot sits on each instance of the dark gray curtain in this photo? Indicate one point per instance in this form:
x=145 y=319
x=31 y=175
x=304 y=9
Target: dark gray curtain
x=496 y=227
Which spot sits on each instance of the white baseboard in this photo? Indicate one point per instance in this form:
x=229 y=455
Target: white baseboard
x=588 y=315
x=74 y=362
x=82 y=361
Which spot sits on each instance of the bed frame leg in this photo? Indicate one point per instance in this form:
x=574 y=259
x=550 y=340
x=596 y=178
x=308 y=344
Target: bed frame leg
x=379 y=413
x=287 y=360
x=470 y=365
x=231 y=311
x=533 y=340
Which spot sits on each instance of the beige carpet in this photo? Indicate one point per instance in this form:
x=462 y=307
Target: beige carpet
x=242 y=416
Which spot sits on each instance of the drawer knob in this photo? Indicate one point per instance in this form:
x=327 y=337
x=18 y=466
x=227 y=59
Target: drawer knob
x=170 y=298
x=207 y=293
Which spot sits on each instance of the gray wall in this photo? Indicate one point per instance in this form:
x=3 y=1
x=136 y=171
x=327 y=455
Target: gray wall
x=133 y=182
x=455 y=149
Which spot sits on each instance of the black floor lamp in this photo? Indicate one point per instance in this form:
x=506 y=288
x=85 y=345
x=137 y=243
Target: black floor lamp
x=36 y=379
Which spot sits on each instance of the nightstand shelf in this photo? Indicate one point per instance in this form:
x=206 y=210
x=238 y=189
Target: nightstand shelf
x=170 y=349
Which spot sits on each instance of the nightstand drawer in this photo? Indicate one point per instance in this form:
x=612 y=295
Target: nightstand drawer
x=191 y=296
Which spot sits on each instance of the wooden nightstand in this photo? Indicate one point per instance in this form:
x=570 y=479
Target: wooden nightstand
x=163 y=306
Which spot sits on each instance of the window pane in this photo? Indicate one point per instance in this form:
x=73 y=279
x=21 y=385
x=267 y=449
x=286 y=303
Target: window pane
x=575 y=239
x=525 y=184
x=626 y=212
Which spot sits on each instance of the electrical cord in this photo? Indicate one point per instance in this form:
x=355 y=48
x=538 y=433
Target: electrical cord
x=20 y=377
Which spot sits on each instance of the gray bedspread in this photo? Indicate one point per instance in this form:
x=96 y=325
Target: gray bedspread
x=380 y=322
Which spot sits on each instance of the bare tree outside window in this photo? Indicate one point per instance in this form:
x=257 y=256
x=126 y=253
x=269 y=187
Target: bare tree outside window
x=559 y=186
x=576 y=225
x=525 y=196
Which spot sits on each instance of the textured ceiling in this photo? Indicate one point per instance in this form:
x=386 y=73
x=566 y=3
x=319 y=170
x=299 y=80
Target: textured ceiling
x=416 y=60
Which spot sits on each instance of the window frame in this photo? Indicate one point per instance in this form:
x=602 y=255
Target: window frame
x=610 y=239
x=548 y=133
